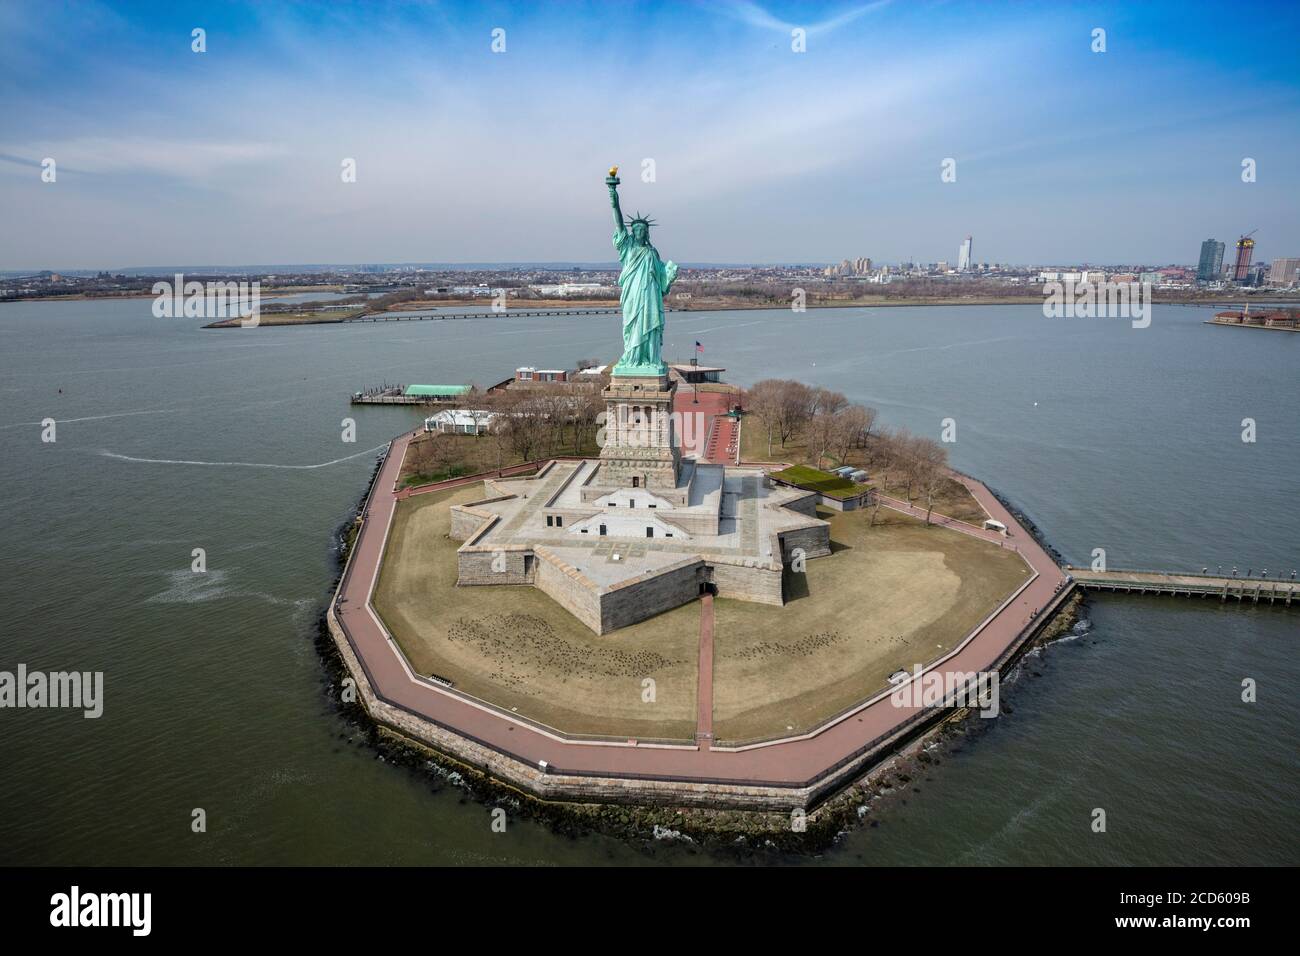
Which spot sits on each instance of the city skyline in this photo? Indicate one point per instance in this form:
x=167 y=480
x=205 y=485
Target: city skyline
x=232 y=156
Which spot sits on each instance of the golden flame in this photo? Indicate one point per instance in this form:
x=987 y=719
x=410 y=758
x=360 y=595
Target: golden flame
x=613 y=170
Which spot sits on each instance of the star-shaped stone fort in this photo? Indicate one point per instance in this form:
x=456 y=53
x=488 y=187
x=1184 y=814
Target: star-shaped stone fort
x=639 y=531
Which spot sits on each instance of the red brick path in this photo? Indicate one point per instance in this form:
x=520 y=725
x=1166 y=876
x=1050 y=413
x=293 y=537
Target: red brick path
x=704 y=699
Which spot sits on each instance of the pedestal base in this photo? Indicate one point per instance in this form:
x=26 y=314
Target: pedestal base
x=640 y=447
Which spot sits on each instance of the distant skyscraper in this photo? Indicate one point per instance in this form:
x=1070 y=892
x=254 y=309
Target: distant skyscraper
x=1211 y=264
x=1245 y=249
x=964 y=255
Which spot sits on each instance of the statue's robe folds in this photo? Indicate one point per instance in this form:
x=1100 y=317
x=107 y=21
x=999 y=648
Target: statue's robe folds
x=643 y=282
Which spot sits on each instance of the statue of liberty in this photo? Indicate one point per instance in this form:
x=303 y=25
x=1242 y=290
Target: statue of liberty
x=643 y=282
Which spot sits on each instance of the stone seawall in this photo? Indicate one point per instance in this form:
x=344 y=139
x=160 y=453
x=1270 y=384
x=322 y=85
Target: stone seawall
x=553 y=785
x=556 y=786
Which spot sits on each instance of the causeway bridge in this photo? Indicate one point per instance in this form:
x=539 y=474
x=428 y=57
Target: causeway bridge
x=1250 y=589
x=503 y=314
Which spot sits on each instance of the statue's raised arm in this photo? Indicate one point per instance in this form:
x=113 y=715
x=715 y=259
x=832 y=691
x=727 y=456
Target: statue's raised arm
x=612 y=182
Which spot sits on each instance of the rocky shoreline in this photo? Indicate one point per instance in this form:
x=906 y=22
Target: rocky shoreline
x=1028 y=524
x=745 y=833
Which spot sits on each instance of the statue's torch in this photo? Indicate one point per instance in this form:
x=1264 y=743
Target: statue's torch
x=612 y=179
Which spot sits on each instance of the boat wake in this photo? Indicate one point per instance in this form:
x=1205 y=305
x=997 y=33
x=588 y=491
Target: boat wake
x=236 y=464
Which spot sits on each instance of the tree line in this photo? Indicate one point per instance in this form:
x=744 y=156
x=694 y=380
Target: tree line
x=829 y=426
x=520 y=423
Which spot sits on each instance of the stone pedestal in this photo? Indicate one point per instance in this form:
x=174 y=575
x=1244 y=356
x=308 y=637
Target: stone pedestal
x=640 y=449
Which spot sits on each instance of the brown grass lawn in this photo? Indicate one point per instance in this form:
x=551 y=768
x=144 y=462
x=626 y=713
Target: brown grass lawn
x=889 y=597
x=474 y=454
x=515 y=647
x=953 y=498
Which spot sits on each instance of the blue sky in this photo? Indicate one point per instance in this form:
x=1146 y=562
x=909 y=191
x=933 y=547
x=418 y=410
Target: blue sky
x=761 y=154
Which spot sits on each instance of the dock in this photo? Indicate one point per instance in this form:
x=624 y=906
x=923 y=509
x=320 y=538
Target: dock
x=390 y=399
x=1241 y=589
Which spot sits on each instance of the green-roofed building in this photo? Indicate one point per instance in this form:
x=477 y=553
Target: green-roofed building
x=436 y=393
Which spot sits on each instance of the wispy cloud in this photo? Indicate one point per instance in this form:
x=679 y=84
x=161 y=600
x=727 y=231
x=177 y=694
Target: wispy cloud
x=192 y=161
x=756 y=16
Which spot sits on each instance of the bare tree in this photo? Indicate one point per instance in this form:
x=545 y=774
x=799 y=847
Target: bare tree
x=885 y=456
x=869 y=416
x=478 y=406
x=826 y=400
x=517 y=426
x=821 y=431
x=910 y=460
x=797 y=403
x=587 y=407
x=431 y=454
x=764 y=401
x=852 y=426
x=931 y=463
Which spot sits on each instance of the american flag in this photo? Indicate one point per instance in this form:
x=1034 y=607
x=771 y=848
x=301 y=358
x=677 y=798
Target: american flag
x=698 y=347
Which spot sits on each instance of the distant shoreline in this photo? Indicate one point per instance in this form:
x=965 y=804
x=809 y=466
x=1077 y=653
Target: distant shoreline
x=724 y=304
x=559 y=308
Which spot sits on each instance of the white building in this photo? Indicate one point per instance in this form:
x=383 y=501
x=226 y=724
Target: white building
x=1284 y=272
x=460 y=421
x=964 y=255
x=572 y=288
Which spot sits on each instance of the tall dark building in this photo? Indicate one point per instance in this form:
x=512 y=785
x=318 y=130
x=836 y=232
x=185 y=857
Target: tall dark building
x=1245 y=249
x=1211 y=265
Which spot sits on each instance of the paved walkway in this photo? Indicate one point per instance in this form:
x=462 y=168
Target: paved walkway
x=704 y=697
x=792 y=762
x=943 y=521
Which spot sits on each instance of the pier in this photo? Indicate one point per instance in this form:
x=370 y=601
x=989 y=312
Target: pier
x=388 y=398
x=1240 y=589
x=408 y=394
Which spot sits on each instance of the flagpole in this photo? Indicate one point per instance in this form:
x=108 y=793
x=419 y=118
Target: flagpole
x=695 y=364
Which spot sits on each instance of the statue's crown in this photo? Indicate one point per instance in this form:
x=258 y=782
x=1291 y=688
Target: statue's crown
x=642 y=219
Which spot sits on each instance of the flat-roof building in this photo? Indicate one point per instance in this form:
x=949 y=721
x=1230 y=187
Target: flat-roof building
x=436 y=393
x=696 y=374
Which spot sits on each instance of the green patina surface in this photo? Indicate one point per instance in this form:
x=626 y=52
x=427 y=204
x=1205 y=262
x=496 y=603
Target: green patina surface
x=644 y=279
